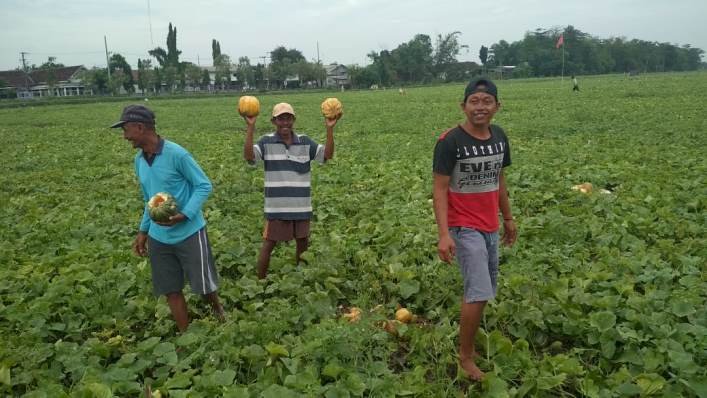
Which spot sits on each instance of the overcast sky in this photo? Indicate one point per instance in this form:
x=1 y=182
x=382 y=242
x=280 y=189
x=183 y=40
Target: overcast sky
x=346 y=30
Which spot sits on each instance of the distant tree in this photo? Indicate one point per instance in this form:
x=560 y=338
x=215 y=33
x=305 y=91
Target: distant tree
x=245 y=72
x=215 y=50
x=259 y=73
x=542 y=52
x=362 y=77
x=50 y=67
x=182 y=79
x=446 y=49
x=223 y=71
x=170 y=77
x=172 y=73
x=117 y=81
x=144 y=70
x=318 y=73
x=172 y=51
x=193 y=75
x=205 y=79
x=278 y=71
x=169 y=57
x=584 y=54
x=156 y=79
x=282 y=54
x=160 y=55
x=384 y=67
x=483 y=55
x=96 y=79
x=501 y=54
x=282 y=61
x=308 y=71
x=535 y=55
x=51 y=64
x=693 y=57
x=118 y=63
x=413 y=60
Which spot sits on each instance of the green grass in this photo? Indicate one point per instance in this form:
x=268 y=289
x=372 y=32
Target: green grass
x=603 y=295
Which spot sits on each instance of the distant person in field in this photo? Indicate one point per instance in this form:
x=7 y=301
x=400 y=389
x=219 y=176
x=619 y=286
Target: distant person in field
x=180 y=246
x=575 y=84
x=469 y=189
x=287 y=159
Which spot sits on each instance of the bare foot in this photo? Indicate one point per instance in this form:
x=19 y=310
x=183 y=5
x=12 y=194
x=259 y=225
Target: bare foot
x=219 y=313
x=471 y=370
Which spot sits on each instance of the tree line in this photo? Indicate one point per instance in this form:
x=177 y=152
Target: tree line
x=417 y=61
x=539 y=55
x=287 y=68
x=536 y=55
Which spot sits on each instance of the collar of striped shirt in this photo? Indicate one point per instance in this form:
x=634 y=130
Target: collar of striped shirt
x=295 y=138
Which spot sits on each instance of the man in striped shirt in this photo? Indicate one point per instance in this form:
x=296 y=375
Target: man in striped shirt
x=288 y=200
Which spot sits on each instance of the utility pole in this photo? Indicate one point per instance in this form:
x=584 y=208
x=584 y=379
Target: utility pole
x=322 y=79
x=267 y=74
x=319 y=64
x=24 y=62
x=105 y=42
x=24 y=69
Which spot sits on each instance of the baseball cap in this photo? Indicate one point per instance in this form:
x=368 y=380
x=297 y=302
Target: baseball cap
x=282 y=107
x=487 y=87
x=135 y=113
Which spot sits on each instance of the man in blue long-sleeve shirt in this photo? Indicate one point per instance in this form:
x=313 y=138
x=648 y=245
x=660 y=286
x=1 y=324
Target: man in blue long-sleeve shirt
x=179 y=246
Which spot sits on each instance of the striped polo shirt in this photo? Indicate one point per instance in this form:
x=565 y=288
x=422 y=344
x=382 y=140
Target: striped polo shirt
x=288 y=186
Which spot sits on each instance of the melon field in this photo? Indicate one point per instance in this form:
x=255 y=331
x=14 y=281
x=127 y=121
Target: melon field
x=603 y=295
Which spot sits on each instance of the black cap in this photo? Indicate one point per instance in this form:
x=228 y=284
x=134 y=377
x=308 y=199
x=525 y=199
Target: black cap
x=135 y=113
x=487 y=86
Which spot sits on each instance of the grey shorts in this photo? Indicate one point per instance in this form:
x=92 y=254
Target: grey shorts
x=477 y=254
x=191 y=258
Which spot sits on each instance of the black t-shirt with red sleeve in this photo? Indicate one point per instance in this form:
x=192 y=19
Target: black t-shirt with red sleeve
x=474 y=167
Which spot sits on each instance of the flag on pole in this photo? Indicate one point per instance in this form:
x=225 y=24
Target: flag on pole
x=560 y=41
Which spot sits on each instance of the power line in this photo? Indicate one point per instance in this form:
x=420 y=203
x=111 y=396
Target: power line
x=265 y=63
x=65 y=53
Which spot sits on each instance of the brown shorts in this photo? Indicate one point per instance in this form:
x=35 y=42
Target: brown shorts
x=284 y=230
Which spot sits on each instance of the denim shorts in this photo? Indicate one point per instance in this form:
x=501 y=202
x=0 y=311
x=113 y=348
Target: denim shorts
x=477 y=255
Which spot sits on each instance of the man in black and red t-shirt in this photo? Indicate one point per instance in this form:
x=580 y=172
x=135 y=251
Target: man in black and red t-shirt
x=469 y=190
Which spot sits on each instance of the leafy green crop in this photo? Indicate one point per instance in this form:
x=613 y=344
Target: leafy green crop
x=604 y=294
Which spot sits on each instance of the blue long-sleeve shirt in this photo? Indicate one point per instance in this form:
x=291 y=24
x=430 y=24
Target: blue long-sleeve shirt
x=175 y=171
